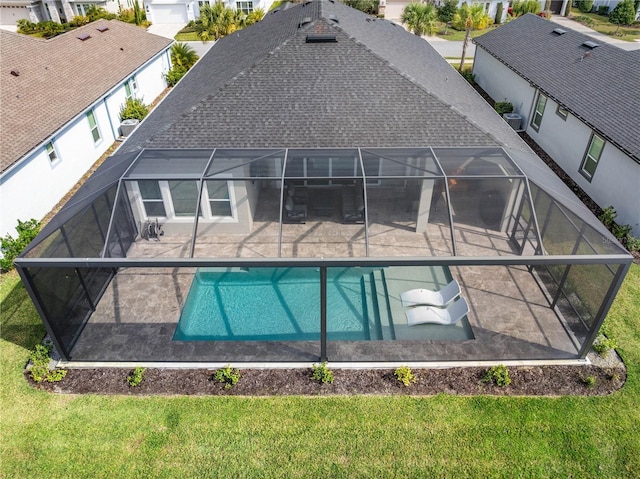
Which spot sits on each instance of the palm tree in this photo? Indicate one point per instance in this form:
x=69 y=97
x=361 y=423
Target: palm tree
x=255 y=16
x=470 y=18
x=215 y=21
x=183 y=56
x=420 y=18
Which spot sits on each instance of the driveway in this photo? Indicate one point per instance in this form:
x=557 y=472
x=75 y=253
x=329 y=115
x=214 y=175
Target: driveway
x=167 y=30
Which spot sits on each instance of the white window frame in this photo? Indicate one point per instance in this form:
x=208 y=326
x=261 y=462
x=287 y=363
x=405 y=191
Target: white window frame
x=588 y=157
x=91 y=114
x=81 y=8
x=51 y=152
x=311 y=181
x=205 y=210
x=538 y=112
x=562 y=112
x=130 y=87
x=245 y=6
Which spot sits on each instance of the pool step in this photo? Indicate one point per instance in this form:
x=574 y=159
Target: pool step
x=382 y=305
x=370 y=309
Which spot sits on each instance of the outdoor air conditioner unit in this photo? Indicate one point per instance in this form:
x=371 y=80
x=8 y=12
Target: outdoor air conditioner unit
x=514 y=120
x=127 y=126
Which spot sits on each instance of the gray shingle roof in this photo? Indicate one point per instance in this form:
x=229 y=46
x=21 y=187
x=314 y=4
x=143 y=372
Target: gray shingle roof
x=265 y=86
x=378 y=85
x=602 y=89
x=59 y=78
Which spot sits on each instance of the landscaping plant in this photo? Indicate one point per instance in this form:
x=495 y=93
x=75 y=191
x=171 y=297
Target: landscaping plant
x=40 y=358
x=136 y=376
x=133 y=109
x=499 y=375
x=11 y=247
x=322 y=373
x=228 y=376
x=404 y=375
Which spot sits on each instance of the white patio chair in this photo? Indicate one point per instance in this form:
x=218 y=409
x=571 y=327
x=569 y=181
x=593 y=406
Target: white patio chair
x=430 y=314
x=417 y=297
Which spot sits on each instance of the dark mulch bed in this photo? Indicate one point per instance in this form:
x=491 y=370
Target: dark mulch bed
x=525 y=381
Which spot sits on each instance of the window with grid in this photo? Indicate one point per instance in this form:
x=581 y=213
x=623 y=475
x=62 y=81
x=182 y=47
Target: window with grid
x=152 y=198
x=592 y=157
x=537 y=115
x=93 y=126
x=219 y=199
x=562 y=113
x=130 y=87
x=51 y=152
x=244 y=7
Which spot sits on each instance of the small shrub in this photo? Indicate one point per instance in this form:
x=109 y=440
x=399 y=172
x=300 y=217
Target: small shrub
x=602 y=345
x=322 y=373
x=174 y=75
x=134 y=108
x=621 y=231
x=467 y=75
x=56 y=375
x=613 y=374
x=498 y=375
x=227 y=375
x=603 y=10
x=40 y=358
x=589 y=381
x=503 y=107
x=404 y=375
x=11 y=247
x=136 y=376
x=585 y=6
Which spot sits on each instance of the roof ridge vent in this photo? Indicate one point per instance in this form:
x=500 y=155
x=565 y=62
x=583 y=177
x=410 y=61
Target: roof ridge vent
x=590 y=44
x=321 y=38
x=83 y=36
x=304 y=21
x=559 y=31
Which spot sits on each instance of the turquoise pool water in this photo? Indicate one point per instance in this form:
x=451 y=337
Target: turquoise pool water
x=275 y=304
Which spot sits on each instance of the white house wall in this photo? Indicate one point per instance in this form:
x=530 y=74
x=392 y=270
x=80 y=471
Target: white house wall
x=35 y=185
x=32 y=189
x=503 y=84
x=617 y=177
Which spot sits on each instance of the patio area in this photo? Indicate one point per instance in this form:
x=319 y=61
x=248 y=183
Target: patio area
x=115 y=270
x=510 y=319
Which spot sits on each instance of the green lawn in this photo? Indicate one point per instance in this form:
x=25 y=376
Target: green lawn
x=46 y=435
x=601 y=24
x=597 y=22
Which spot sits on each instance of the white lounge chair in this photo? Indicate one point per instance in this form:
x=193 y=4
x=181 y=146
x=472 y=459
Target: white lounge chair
x=430 y=314
x=416 y=297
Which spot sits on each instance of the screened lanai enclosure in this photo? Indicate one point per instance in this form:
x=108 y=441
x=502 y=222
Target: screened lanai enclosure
x=297 y=255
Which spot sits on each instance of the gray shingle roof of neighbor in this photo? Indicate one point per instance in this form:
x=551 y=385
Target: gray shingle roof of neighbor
x=377 y=86
x=601 y=88
x=58 y=79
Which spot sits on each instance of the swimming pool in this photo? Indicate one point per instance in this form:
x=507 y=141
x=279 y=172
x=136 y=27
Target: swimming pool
x=276 y=304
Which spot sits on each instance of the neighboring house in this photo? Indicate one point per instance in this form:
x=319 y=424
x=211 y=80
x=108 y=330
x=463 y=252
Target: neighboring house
x=183 y=11
x=302 y=177
x=60 y=11
x=60 y=107
x=578 y=99
x=392 y=9
x=610 y=4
